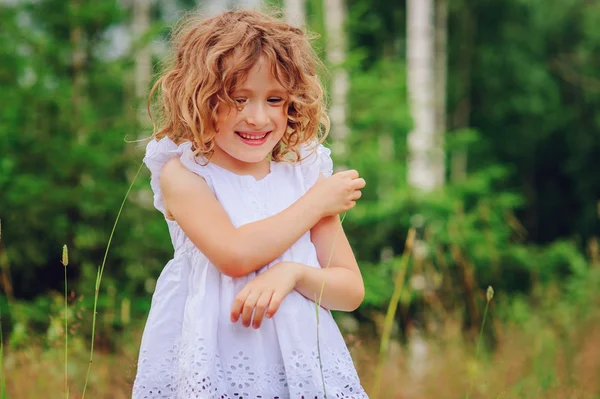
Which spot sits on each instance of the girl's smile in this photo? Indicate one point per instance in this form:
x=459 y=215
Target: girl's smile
x=254 y=138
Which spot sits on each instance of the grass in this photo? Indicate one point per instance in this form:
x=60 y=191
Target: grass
x=2 y=380
x=99 y=280
x=529 y=364
x=318 y=304
x=391 y=312
x=540 y=356
x=489 y=295
x=65 y=262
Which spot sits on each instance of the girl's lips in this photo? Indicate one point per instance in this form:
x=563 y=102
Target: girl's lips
x=254 y=142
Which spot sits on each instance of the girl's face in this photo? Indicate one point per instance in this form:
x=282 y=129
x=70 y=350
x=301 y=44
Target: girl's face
x=247 y=136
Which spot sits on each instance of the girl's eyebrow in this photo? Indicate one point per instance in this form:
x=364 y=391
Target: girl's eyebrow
x=244 y=90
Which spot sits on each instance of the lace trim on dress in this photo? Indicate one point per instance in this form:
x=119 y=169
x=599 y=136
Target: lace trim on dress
x=205 y=375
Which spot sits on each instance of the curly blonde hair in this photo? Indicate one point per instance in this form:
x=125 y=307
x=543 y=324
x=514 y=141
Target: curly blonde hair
x=211 y=56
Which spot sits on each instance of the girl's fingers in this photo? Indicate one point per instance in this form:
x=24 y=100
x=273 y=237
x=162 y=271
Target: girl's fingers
x=248 y=307
x=353 y=174
x=261 y=307
x=359 y=183
x=238 y=303
x=274 y=304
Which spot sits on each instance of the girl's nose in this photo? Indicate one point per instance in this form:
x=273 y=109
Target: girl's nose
x=256 y=116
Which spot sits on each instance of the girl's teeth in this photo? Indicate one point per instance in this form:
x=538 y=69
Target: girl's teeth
x=253 y=137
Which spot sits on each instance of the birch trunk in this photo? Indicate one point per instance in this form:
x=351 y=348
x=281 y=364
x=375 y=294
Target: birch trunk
x=335 y=17
x=143 y=60
x=250 y=4
x=294 y=12
x=214 y=7
x=423 y=143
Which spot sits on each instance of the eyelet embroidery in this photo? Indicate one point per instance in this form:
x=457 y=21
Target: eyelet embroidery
x=204 y=375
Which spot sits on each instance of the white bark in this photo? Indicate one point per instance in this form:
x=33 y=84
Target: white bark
x=143 y=57
x=294 y=12
x=250 y=4
x=335 y=17
x=425 y=150
x=214 y=7
x=169 y=10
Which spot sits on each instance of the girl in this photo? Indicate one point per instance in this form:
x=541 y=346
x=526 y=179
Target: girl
x=252 y=208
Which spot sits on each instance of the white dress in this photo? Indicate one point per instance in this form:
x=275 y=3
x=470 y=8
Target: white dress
x=191 y=349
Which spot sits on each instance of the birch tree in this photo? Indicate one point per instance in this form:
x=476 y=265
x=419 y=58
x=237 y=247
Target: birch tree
x=143 y=58
x=426 y=156
x=294 y=12
x=335 y=17
x=250 y=4
x=213 y=7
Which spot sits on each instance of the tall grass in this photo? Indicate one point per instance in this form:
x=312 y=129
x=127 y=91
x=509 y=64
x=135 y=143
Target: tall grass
x=391 y=311
x=65 y=262
x=320 y=299
x=99 y=279
x=488 y=296
x=2 y=381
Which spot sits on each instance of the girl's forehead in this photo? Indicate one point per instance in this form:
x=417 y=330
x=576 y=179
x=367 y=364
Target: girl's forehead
x=261 y=75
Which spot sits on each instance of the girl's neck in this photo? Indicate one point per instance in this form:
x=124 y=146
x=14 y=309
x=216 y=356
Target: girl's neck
x=258 y=170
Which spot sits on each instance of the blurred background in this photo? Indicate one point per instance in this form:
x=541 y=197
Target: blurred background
x=474 y=123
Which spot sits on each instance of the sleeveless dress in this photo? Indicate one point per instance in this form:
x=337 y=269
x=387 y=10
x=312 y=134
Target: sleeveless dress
x=191 y=349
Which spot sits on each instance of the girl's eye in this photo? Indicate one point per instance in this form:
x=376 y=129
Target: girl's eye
x=240 y=100
x=275 y=100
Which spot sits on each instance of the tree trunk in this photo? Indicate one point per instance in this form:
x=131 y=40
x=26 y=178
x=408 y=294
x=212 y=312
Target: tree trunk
x=214 y=7
x=294 y=12
x=424 y=146
x=250 y=4
x=335 y=16
x=143 y=61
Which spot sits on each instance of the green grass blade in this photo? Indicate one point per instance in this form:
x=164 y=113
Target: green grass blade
x=2 y=381
x=489 y=296
x=99 y=278
x=66 y=340
x=391 y=311
x=318 y=304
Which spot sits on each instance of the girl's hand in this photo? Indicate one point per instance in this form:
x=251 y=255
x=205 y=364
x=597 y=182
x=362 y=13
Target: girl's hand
x=264 y=294
x=338 y=193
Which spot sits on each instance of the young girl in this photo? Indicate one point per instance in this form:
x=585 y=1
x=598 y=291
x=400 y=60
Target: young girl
x=252 y=208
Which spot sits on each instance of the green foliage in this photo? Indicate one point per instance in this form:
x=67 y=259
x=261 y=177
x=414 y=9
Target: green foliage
x=65 y=164
x=520 y=218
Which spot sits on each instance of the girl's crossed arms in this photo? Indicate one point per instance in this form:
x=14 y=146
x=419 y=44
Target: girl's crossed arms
x=237 y=252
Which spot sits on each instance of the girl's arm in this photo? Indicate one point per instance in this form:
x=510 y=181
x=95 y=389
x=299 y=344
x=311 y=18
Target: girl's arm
x=344 y=289
x=239 y=251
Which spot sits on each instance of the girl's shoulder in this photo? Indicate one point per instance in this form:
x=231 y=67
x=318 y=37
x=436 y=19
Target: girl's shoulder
x=159 y=152
x=315 y=160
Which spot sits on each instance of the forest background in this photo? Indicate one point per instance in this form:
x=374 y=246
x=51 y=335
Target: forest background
x=474 y=123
